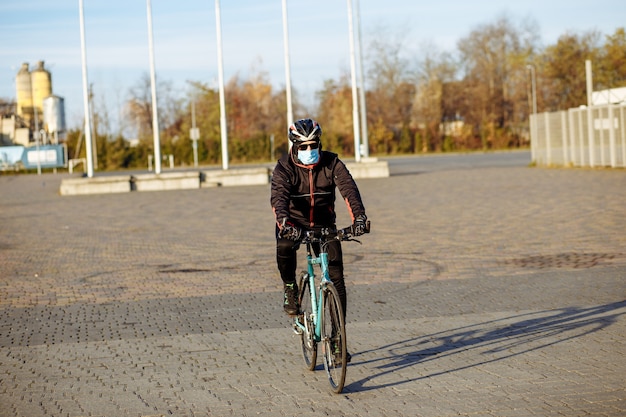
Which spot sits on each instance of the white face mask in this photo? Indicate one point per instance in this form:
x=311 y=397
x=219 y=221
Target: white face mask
x=309 y=157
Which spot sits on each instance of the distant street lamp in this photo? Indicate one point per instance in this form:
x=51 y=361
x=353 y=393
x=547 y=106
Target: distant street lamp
x=363 y=107
x=220 y=77
x=589 y=82
x=287 y=66
x=88 y=143
x=194 y=133
x=155 y=112
x=355 y=100
x=533 y=87
x=533 y=120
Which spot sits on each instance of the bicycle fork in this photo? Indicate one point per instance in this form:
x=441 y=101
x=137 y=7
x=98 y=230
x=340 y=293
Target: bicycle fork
x=304 y=322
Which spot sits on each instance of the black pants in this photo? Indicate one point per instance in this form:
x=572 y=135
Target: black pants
x=286 y=257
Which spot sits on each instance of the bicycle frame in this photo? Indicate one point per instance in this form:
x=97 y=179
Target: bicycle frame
x=316 y=292
x=322 y=321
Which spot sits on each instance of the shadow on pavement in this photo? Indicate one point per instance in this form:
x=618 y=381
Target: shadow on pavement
x=493 y=341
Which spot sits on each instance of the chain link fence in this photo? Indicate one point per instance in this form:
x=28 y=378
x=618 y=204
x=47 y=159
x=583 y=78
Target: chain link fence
x=581 y=137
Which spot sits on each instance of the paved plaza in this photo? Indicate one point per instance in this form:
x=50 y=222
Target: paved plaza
x=487 y=291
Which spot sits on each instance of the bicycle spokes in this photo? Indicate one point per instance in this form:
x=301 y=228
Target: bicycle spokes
x=334 y=339
x=307 y=326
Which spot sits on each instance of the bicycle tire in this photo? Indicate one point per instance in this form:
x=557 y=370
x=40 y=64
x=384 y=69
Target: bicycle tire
x=307 y=337
x=334 y=346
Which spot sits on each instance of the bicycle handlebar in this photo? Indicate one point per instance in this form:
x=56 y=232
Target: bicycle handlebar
x=340 y=234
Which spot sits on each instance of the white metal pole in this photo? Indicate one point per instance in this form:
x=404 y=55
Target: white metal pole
x=564 y=140
x=220 y=76
x=355 y=102
x=589 y=114
x=601 y=134
x=534 y=88
x=287 y=66
x=533 y=121
x=155 y=111
x=363 y=107
x=612 y=148
x=546 y=117
x=37 y=135
x=194 y=137
x=571 y=136
x=581 y=138
x=623 y=137
x=94 y=133
x=88 y=149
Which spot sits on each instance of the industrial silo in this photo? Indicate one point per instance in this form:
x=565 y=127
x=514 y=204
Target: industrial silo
x=54 y=114
x=42 y=86
x=24 y=93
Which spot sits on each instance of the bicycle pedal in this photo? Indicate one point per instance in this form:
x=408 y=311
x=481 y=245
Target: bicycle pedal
x=297 y=329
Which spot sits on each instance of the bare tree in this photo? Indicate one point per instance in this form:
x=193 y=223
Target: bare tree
x=138 y=109
x=335 y=114
x=494 y=58
x=391 y=76
x=434 y=102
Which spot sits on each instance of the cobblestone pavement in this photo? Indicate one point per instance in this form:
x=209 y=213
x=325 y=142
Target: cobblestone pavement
x=479 y=292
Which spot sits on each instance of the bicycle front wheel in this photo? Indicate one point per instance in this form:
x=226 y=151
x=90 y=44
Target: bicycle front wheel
x=334 y=346
x=307 y=337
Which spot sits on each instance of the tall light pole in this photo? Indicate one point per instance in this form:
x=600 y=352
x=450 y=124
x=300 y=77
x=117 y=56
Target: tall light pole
x=287 y=65
x=155 y=112
x=533 y=124
x=88 y=149
x=37 y=135
x=355 y=101
x=194 y=133
x=589 y=77
x=220 y=76
x=363 y=107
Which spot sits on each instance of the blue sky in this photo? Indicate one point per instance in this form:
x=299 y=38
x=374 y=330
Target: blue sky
x=252 y=37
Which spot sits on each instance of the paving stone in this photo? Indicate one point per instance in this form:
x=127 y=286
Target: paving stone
x=480 y=292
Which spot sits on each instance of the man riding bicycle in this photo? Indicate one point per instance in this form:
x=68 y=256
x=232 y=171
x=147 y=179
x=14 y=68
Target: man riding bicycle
x=303 y=198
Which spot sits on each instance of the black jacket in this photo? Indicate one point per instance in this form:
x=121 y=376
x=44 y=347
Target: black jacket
x=305 y=194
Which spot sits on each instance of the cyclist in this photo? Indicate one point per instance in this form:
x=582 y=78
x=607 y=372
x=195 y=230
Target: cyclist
x=303 y=198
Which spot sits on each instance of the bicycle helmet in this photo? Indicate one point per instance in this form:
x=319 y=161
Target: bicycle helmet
x=305 y=130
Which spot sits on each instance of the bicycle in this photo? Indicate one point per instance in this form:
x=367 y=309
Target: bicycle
x=321 y=318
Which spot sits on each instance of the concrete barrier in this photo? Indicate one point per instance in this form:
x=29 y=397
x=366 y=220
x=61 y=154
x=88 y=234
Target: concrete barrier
x=368 y=168
x=234 y=177
x=97 y=185
x=165 y=181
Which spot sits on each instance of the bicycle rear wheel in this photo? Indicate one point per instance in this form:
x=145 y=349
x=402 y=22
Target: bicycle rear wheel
x=309 y=346
x=334 y=347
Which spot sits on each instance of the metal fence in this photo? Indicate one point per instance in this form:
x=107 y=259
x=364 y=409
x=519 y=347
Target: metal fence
x=582 y=137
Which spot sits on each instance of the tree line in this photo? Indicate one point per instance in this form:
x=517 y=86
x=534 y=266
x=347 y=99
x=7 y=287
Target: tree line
x=474 y=98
